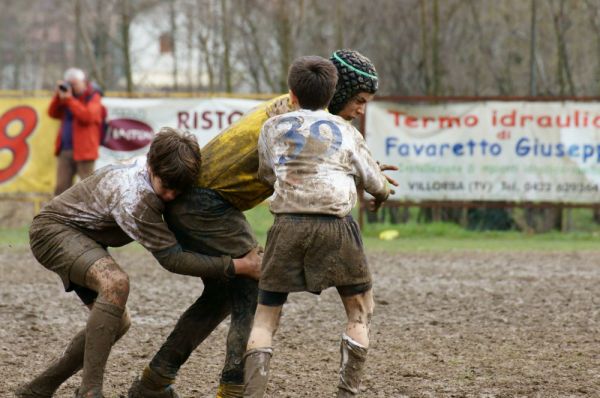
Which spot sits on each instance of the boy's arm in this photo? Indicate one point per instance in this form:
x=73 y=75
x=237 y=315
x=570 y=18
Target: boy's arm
x=178 y=261
x=369 y=172
x=146 y=225
x=265 y=160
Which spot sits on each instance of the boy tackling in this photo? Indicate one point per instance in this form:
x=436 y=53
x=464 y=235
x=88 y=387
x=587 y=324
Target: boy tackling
x=314 y=160
x=114 y=206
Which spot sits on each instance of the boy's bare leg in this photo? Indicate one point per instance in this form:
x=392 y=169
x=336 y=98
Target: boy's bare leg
x=112 y=284
x=260 y=351
x=355 y=342
x=359 y=310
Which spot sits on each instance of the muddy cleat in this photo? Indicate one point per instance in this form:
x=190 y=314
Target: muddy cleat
x=89 y=394
x=353 y=360
x=139 y=390
x=25 y=391
x=256 y=371
x=230 y=391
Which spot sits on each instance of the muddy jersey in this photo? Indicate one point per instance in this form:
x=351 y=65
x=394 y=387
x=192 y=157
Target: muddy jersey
x=230 y=160
x=314 y=160
x=115 y=206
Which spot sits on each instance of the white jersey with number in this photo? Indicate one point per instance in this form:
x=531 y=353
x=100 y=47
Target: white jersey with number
x=315 y=160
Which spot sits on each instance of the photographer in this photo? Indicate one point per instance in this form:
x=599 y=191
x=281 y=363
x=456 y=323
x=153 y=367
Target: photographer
x=77 y=104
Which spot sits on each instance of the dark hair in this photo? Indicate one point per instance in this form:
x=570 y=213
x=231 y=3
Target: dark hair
x=174 y=157
x=312 y=79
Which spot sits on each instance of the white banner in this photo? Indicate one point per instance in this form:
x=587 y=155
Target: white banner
x=489 y=151
x=133 y=122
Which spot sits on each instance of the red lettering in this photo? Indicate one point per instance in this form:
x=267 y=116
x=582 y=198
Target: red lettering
x=471 y=120
x=235 y=114
x=509 y=120
x=206 y=118
x=396 y=117
x=411 y=121
x=427 y=119
x=16 y=143
x=545 y=121
x=182 y=120
x=525 y=118
x=220 y=115
x=449 y=121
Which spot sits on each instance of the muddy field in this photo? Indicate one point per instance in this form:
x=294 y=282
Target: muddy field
x=446 y=325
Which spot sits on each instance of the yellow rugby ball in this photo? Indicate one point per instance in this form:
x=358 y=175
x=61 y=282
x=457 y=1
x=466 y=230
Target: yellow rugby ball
x=389 y=234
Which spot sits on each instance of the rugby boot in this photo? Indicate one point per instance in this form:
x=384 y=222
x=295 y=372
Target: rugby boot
x=230 y=391
x=152 y=385
x=256 y=372
x=353 y=357
x=89 y=394
x=25 y=391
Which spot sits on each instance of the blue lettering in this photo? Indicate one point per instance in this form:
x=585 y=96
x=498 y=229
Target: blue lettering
x=574 y=151
x=404 y=150
x=458 y=149
x=522 y=148
x=495 y=149
x=390 y=142
x=588 y=152
x=418 y=149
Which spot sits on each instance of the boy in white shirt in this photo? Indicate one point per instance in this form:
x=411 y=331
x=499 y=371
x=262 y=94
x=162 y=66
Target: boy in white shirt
x=314 y=160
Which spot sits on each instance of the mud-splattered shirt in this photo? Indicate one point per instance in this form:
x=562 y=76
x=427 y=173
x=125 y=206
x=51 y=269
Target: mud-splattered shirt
x=116 y=197
x=117 y=205
x=314 y=160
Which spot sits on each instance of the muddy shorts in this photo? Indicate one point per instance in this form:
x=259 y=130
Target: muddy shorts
x=312 y=253
x=204 y=222
x=66 y=251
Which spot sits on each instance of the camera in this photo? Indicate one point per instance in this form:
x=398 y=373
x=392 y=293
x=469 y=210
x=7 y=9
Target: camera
x=64 y=87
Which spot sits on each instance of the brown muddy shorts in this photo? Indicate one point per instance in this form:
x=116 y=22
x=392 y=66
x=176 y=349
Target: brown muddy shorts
x=64 y=250
x=312 y=253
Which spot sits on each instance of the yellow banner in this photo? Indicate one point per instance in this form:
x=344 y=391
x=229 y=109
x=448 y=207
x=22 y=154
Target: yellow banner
x=27 y=136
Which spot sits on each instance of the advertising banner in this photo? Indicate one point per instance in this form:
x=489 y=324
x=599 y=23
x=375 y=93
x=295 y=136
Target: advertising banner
x=489 y=151
x=27 y=133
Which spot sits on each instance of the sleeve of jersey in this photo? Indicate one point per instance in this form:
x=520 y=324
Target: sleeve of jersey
x=178 y=261
x=265 y=160
x=150 y=230
x=368 y=171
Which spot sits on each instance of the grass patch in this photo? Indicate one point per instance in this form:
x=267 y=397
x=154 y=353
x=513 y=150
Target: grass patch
x=14 y=236
x=422 y=237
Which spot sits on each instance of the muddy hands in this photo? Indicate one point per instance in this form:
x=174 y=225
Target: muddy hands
x=249 y=265
x=375 y=204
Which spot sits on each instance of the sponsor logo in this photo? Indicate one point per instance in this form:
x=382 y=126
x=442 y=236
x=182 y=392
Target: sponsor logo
x=127 y=135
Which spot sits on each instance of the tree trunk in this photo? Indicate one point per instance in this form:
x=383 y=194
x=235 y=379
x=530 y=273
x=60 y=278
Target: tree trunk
x=532 y=68
x=172 y=15
x=284 y=40
x=435 y=50
x=125 y=24
x=226 y=29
